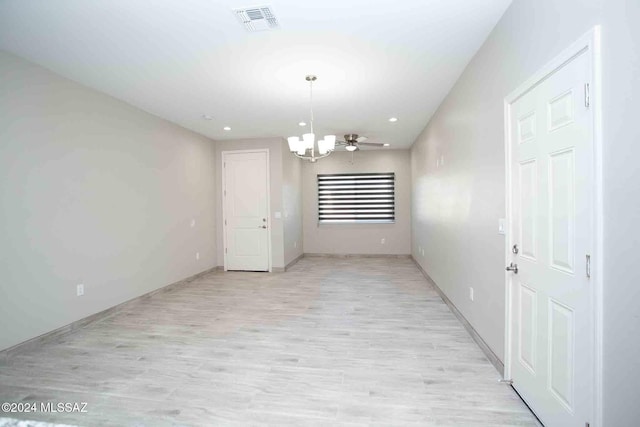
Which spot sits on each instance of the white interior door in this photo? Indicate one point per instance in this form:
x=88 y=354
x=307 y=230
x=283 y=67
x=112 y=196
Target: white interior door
x=552 y=327
x=246 y=210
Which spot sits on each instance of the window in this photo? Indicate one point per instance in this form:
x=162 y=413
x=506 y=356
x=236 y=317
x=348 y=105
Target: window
x=356 y=198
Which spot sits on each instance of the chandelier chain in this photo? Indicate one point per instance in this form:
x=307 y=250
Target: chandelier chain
x=311 y=102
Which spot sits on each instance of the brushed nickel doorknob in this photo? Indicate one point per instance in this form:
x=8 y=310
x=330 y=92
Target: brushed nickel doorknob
x=512 y=267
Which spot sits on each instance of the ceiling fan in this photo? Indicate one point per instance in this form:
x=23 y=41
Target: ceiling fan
x=352 y=142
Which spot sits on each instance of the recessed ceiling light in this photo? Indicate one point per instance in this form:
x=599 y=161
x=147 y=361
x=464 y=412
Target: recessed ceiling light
x=393 y=119
x=385 y=145
x=302 y=124
x=226 y=128
x=207 y=117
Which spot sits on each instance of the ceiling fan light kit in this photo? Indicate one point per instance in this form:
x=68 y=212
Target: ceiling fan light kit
x=305 y=148
x=352 y=142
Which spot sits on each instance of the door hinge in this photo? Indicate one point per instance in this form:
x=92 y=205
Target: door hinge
x=588 y=266
x=587 y=98
x=225 y=222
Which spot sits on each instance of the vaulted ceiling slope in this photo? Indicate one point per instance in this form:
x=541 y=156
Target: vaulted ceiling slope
x=182 y=59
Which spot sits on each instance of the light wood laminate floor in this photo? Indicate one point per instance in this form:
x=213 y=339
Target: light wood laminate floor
x=352 y=341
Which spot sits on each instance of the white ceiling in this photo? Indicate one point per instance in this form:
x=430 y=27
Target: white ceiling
x=180 y=59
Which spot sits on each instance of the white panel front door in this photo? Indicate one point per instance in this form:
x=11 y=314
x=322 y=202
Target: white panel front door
x=552 y=316
x=246 y=210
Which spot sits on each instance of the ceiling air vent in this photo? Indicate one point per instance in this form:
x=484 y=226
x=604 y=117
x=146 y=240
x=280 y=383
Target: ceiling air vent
x=257 y=18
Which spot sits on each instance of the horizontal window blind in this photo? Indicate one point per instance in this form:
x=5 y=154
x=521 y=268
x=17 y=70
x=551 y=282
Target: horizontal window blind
x=356 y=197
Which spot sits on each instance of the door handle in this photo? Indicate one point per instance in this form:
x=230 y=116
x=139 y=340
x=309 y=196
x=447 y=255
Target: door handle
x=512 y=267
x=262 y=226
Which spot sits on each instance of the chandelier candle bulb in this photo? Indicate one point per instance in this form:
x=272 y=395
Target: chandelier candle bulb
x=322 y=147
x=293 y=143
x=309 y=139
x=330 y=141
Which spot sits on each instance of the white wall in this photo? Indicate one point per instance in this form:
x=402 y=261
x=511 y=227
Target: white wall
x=291 y=204
x=274 y=145
x=358 y=238
x=621 y=86
x=456 y=207
x=92 y=191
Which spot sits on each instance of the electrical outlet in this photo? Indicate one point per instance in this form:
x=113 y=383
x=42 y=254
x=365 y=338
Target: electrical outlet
x=197 y=256
x=80 y=290
x=471 y=293
x=382 y=241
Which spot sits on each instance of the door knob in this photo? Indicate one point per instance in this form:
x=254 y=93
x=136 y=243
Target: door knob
x=262 y=226
x=512 y=267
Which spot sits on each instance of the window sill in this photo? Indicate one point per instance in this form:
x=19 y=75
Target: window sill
x=356 y=223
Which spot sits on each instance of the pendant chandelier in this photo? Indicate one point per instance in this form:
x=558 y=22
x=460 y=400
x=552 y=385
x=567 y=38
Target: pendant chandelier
x=305 y=148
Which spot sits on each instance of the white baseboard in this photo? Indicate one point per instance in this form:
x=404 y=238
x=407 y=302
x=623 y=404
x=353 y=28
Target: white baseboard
x=493 y=358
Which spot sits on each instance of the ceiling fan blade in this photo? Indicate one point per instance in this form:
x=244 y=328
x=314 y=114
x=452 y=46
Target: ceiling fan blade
x=361 y=139
x=372 y=144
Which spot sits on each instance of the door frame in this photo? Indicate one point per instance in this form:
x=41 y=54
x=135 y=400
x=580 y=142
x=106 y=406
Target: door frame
x=224 y=202
x=588 y=44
